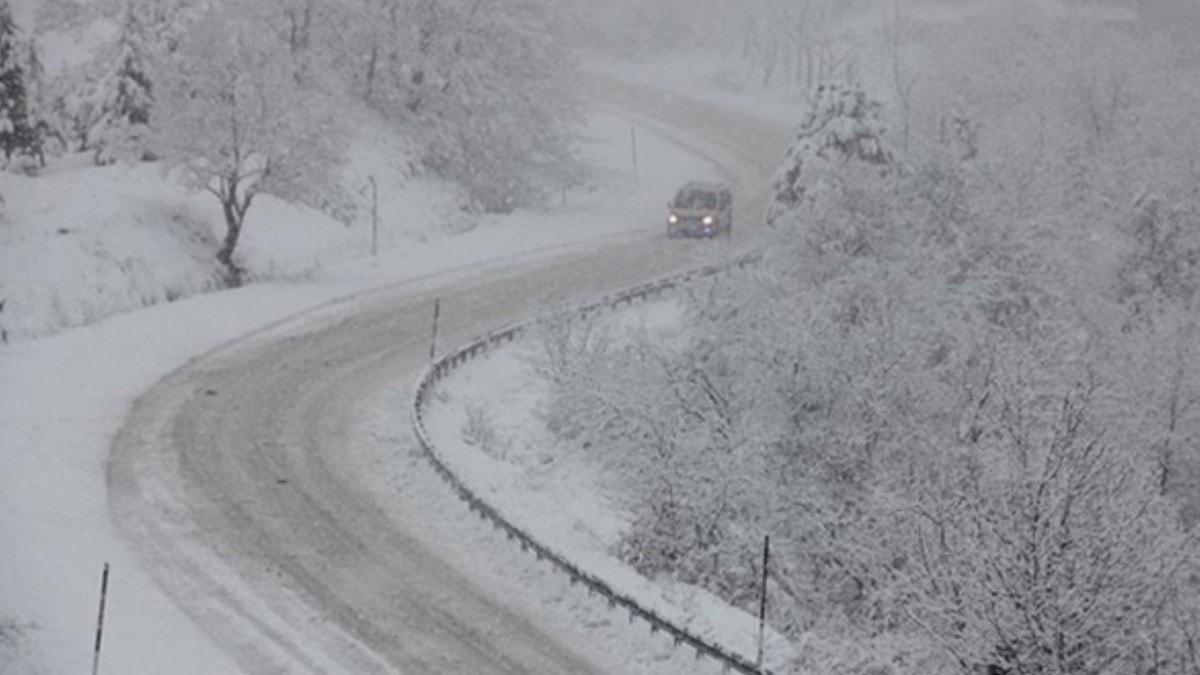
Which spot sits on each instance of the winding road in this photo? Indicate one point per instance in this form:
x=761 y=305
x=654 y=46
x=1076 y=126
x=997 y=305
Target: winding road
x=246 y=486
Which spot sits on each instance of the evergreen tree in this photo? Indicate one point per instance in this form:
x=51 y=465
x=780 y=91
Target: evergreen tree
x=127 y=94
x=35 y=74
x=38 y=111
x=844 y=124
x=17 y=135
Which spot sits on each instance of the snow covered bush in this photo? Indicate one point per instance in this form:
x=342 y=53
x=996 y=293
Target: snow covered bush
x=568 y=353
x=14 y=653
x=479 y=431
x=633 y=402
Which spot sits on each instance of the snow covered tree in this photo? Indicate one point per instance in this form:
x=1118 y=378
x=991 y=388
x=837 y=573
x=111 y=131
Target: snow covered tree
x=1043 y=549
x=17 y=132
x=76 y=106
x=1158 y=283
x=843 y=125
x=1162 y=267
x=165 y=23
x=792 y=42
x=321 y=36
x=482 y=86
x=61 y=15
x=232 y=117
x=126 y=93
x=37 y=100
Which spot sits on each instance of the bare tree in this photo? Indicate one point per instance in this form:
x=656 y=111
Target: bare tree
x=233 y=118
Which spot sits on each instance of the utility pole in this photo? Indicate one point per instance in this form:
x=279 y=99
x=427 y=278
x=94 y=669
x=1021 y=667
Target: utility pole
x=762 y=601
x=100 y=619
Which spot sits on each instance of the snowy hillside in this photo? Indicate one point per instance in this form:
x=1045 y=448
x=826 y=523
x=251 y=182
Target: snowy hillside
x=80 y=242
x=79 y=245
x=276 y=156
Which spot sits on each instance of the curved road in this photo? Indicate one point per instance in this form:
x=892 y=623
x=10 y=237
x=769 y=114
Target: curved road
x=230 y=477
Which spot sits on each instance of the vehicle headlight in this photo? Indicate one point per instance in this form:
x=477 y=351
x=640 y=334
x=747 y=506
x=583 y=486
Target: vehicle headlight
x=672 y=219
x=708 y=220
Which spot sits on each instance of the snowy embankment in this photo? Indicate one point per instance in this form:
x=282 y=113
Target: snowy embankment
x=63 y=397
x=484 y=420
x=80 y=243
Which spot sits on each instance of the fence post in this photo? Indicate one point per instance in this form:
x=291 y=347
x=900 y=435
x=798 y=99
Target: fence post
x=762 y=601
x=100 y=619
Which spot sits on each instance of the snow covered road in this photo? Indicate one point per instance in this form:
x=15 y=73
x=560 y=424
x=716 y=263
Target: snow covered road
x=246 y=486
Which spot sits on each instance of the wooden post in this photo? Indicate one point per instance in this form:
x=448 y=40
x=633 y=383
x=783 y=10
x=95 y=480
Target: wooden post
x=100 y=619
x=437 y=310
x=762 y=601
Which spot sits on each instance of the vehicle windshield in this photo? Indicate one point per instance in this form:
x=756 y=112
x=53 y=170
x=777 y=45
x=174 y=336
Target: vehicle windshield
x=695 y=199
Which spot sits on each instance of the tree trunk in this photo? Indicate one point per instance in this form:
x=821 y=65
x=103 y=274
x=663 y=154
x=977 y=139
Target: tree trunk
x=233 y=229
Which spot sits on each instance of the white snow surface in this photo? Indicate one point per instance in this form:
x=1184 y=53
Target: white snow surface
x=63 y=397
x=561 y=495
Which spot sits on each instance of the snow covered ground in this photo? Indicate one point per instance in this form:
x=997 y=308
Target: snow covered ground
x=485 y=423
x=64 y=396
